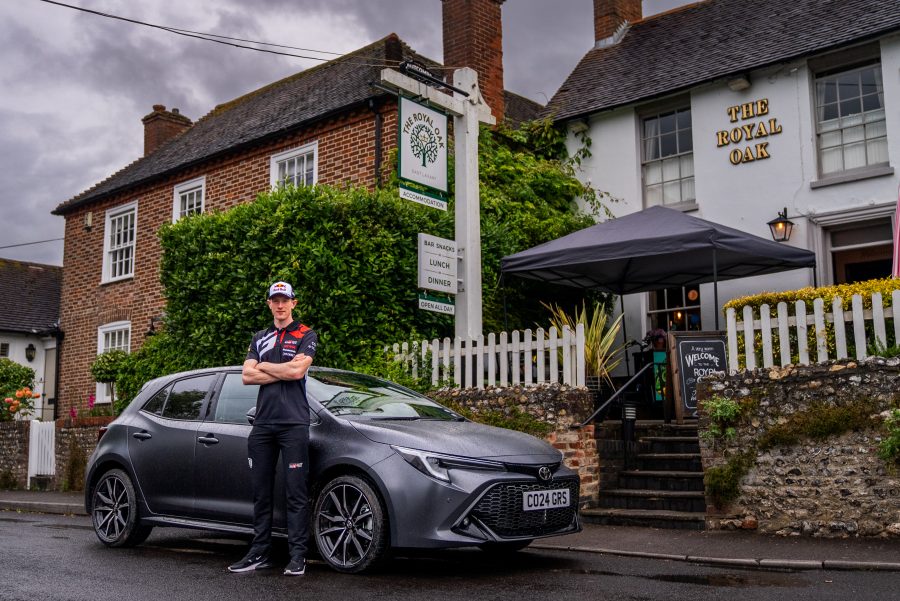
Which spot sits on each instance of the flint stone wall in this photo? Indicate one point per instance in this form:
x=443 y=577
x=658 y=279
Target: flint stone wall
x=14 y=453
x=839 y=487
x=558 y=405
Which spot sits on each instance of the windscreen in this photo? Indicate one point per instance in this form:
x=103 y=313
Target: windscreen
x=349 y=394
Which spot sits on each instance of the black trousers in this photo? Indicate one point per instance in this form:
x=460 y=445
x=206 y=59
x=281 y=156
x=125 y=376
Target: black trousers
x=265 y=444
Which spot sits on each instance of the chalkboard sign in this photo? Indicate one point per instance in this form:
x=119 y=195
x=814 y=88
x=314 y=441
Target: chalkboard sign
x=693 y=355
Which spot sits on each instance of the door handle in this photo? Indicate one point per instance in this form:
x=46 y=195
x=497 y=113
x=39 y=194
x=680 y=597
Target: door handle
x=208 y=439
x=142 y=435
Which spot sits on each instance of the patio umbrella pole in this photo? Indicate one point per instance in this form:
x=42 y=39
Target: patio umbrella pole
x=716 y=288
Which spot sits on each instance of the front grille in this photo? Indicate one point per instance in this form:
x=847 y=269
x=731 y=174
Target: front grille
x=500 y=509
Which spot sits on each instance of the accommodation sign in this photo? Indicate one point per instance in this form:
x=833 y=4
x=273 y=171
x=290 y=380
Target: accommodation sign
x=749 y=134
x=422 y=165
x=437 y=264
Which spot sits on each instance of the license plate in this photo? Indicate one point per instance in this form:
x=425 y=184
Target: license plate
x=534 y=500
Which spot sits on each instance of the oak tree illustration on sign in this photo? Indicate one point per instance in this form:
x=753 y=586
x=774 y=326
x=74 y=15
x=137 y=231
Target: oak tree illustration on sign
x=424 y=143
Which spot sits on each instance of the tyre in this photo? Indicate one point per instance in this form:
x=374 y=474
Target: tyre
x=505 y=547
x=350 y=525
x=114 y=512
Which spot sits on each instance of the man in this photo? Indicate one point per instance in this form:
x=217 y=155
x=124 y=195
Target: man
x=277 y=360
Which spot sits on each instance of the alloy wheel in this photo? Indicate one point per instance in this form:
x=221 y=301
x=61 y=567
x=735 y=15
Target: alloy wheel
x=346 y=525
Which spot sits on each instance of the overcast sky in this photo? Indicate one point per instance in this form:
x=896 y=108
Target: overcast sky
x=74 y=86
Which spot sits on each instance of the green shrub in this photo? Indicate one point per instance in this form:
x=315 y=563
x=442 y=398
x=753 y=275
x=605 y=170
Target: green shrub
x=14 y=377
x=819 y=422
x=723 y=482
x=889 y=448
x=724 y=413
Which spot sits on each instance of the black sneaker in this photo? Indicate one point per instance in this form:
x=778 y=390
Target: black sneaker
x=251 y=562
x=297 y=567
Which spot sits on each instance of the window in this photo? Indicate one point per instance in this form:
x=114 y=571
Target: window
x=850 y=122
x=295 y=167
x=111 y=337
x=861 y=251
x=235 y=400
x=4 y=349
x=675 y=308
x=189 y=198
x=186 y=397
x=118 y=244
x=156 y=402
x=667 y=158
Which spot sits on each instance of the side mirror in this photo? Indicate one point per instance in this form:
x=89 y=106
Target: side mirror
x=251 y=415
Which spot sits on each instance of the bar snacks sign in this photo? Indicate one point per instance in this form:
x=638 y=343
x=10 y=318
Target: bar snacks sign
x=751 y=132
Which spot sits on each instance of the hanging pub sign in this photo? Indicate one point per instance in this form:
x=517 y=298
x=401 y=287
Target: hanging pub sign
x=422 y=164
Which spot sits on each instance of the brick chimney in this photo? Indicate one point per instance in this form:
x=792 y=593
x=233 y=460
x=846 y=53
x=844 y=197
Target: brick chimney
x=610 y=14
x=473 y=37
x=161 y=125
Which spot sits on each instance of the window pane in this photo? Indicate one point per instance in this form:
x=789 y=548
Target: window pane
x=186 y=398
x=156 y=402
x=687 y=165
x=848 y=85
x=684 y=119
x=830 y=139
x=668 y=145
x=235 y=400
x=685 y=141
x=687 y=189
x=850 y=107
x=854 y=134
x=671 y=192
x=877 y=151
x=652 y=173
x=827 y=92
x=871 y=102
x=832 y=160
x=651 y=149
x=868 y=81
x=670 y=169
x=854 y=155
x=653 y=195
x=876 y=129
x=667 y=123
x=651 y=128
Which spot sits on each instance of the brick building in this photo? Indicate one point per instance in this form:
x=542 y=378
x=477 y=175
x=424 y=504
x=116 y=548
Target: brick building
x=324 y=125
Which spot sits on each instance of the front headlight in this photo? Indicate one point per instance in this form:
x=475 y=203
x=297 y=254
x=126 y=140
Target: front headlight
x=437 y=465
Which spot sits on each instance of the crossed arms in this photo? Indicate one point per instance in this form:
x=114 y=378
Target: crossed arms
x=255 y=372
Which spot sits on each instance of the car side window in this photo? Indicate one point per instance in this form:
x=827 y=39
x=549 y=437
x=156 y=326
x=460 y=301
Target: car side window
x=235 y=400
x=186 y=398
x=156 y=402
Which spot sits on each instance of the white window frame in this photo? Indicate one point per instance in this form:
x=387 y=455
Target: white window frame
x=103 y=394
x=656 y=112
x=107 y=264
x=311 y=148
x=184 y=188
x=865 y=124
x=4 y=350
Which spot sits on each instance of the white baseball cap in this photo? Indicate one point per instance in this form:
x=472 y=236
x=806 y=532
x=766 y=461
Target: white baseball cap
x=280 y=288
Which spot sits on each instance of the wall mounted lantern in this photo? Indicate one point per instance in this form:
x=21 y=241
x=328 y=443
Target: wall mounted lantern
x=781 y=227
x=30 y=352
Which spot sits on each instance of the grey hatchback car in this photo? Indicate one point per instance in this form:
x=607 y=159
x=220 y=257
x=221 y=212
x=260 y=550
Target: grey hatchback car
x=390 y=469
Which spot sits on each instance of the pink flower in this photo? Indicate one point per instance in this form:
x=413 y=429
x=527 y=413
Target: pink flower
x=91 y=399
x=73 y=413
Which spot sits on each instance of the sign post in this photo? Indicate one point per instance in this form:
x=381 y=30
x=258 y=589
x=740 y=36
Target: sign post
x=468 y=111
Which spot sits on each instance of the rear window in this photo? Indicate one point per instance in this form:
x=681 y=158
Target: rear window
x=186 y=397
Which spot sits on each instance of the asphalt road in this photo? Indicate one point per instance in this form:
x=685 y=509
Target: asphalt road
x=58 y=558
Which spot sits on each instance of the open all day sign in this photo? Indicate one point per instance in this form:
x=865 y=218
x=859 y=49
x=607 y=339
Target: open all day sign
x=423 y=154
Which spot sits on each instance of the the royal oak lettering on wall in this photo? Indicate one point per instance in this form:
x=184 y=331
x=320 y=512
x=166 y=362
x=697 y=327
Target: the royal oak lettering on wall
x=760 y=127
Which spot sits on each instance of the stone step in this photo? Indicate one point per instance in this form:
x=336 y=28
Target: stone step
x=661 y=480
x=638 y=517
x=654 y=500
x=670 y=462
x=671 y=444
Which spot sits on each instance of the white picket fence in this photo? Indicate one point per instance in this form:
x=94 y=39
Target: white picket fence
x=800 y=322
x=41 y=449
x=520 y=358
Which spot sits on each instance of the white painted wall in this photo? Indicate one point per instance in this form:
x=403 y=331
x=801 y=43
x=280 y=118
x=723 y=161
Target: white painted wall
x=746 y=196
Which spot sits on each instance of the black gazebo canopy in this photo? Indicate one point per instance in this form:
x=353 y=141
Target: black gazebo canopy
x=653 y=249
